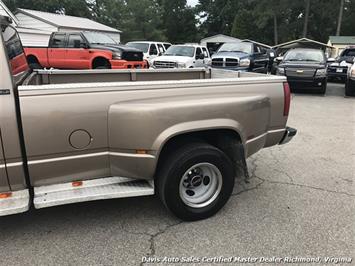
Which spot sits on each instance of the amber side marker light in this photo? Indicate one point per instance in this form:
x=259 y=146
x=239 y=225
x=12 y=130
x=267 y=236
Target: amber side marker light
x=77 y=184
x=141 y=151
x=5 y=195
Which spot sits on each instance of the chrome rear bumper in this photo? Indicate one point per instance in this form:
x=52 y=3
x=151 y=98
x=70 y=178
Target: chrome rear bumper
x=289 y=134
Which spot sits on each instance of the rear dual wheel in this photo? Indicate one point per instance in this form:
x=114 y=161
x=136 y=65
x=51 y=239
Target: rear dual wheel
x=196 y=181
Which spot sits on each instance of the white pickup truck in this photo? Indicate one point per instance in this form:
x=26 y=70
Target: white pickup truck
x=183 y=56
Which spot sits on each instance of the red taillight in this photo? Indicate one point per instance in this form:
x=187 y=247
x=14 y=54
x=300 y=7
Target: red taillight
x=287 y=98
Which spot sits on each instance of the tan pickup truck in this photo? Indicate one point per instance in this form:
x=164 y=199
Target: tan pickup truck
x=74 y=136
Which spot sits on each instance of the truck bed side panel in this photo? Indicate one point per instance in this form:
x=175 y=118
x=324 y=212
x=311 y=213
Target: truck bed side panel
x=165 y=117
x=52 y=113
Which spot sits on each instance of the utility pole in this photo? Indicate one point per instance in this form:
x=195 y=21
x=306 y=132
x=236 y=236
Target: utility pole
x=306 y=17
x=340 y=17
x=276 y=34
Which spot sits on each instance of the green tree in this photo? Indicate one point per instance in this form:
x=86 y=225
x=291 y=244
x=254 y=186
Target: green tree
x=144 y=21
x=179 y=21
x=217 y=16
x=137 y=19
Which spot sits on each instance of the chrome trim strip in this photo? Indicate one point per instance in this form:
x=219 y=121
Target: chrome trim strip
x=68 y=158
x=11 y=165
x=131 y=155
x=276 y=131
x=97 y=154
x=265 y=134
x=256 y=138
x=14 y=164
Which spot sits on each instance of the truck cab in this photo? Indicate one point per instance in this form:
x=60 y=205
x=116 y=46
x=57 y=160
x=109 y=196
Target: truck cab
x=242 y=56
x=84 y=50
x=150 y=49
x=183 y=56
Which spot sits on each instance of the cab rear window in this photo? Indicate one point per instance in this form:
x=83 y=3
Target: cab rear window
x=15 y=52
x=349 y=52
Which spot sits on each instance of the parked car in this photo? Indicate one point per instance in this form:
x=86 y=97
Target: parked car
x=150 y=50
x=338 y=67
x=185 y=140
x=242 y=56
x=350 y=82
x=183 y=56
x=84 y=50
x=305 y=68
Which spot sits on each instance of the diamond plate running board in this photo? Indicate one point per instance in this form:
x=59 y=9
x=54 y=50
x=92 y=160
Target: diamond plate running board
x=16 y=202
x=89 y=190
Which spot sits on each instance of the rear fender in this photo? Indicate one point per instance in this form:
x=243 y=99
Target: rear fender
x=196 y=126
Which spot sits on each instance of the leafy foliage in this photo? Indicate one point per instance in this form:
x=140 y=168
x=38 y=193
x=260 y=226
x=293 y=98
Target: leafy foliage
x=268 y=21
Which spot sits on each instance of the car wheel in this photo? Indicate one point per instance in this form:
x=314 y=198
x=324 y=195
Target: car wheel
x=323 y=88
x=196 y=181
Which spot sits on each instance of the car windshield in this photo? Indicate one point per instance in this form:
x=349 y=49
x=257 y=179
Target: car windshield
x=243 y=47
x=180 y=50
x=349 y=52
x=139 y=45
x=98 y=38
x=305 y=55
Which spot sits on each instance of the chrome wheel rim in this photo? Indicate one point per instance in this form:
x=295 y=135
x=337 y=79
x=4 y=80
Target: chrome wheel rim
x=200 y=185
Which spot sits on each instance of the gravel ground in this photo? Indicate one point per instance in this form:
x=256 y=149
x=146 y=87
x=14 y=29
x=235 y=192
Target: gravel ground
x=299 y=202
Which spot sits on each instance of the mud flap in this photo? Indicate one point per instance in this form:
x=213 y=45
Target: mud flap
x=235 y=150
x=240 y=162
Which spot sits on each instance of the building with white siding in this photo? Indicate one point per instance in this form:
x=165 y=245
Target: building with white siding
x=340 y=43
x=35 y=27
x=45 y=23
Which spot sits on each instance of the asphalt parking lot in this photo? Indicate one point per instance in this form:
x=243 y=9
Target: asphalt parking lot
x=300 y=201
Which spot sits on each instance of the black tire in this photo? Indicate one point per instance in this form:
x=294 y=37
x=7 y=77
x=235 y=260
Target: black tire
x=348 y=91
x=323 y=89
x=34 y=66
x=103 y=67
x=175 y=166
x=101 y=63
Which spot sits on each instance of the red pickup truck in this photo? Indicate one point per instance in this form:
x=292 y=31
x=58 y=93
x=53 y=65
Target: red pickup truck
x=84 y=50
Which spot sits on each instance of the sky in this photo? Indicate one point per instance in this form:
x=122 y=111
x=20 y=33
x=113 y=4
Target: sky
x=192 y=2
